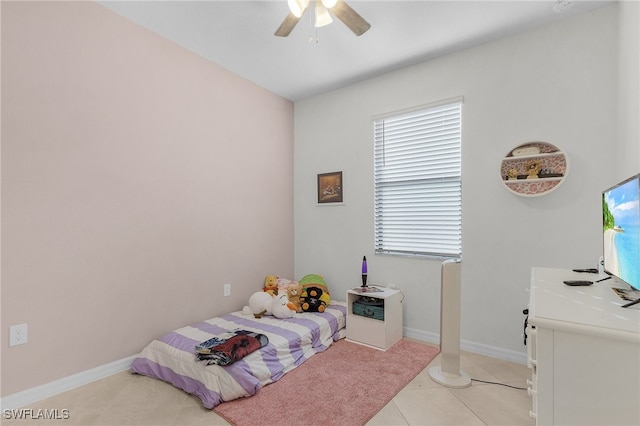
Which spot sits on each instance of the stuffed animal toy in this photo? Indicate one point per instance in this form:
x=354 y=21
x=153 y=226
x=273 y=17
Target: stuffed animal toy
x=314 y=299
x=315 y=280
x=283 y=283
x=312 y=279
x=271 y=285
x=259 y=304
x=282 y=308
x=293 y=293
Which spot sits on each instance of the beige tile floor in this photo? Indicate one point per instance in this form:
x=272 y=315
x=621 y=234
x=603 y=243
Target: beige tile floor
x=128 y=399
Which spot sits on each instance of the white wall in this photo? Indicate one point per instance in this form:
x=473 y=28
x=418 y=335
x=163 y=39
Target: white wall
x=137 y=179
x=556 y=84
x=629 y=90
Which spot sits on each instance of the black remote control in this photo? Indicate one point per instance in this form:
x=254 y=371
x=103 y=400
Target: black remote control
x=587 y=270
x=578 y=282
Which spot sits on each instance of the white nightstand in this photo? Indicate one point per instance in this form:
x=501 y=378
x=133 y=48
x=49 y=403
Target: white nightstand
x=377 y=333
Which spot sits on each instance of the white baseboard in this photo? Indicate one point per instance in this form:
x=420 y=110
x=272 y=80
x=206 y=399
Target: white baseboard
x=494 y=352
x=466 y=345
x=41 y=392
x=425 y=336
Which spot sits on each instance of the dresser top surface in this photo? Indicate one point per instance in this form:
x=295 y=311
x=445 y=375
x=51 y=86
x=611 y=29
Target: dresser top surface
x=596 y=308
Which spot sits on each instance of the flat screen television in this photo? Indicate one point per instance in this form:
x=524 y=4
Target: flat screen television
x=621 y=231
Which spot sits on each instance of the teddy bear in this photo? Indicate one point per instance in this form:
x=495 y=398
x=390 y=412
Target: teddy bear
x=271 y=285
x=315 y=280
x=293 y=293
x=314 y=299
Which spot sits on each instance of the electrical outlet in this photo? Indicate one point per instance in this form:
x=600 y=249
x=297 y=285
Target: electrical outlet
x=18 y=334
x=227 y=290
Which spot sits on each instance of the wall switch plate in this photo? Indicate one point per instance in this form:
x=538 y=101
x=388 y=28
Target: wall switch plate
x=18 y=334
x=227 y=290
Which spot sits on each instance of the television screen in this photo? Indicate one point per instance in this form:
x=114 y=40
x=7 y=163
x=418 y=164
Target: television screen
x=621 y=231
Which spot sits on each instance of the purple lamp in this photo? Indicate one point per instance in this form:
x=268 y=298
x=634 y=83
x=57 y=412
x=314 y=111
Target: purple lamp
x=364 y=271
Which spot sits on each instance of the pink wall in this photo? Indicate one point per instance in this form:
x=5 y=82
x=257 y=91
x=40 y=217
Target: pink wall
x=137 y=179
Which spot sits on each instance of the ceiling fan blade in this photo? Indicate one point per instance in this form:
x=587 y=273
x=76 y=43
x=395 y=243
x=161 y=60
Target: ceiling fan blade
x=350 y=17
x=287 y=25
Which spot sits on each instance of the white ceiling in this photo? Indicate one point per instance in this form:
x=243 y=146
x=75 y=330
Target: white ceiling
x=238 y=35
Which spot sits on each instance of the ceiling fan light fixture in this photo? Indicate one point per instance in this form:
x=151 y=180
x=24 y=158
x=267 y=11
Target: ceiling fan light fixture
x=322 y=15
x=339 y=8
x=297 y=7
x=329 y=3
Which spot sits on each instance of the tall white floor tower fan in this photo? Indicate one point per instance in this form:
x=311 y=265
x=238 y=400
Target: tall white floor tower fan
x=448 y=373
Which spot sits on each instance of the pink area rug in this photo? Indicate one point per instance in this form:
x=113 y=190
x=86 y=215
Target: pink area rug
x=345 y=385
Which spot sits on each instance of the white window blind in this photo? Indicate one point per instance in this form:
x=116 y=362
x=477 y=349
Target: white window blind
x=418 y=185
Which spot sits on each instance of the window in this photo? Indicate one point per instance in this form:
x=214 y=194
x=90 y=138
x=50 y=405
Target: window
x=417 y=181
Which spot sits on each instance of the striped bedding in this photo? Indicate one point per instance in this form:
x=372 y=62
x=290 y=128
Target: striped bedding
x=291 y=342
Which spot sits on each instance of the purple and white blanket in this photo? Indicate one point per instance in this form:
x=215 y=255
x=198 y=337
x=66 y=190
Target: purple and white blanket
x=291 y=342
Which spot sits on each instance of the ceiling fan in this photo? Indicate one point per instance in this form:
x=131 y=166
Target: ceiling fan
x=339 y=8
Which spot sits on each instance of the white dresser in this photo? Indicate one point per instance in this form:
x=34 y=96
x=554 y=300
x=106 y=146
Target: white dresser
x=583 y=351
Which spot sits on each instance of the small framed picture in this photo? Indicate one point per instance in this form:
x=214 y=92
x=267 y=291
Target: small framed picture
x=330 y=188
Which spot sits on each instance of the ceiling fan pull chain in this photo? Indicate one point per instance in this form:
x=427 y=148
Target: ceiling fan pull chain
x=313 y=30
x=313 y=38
